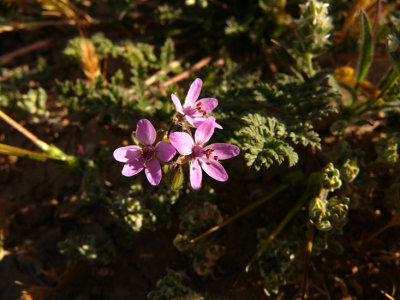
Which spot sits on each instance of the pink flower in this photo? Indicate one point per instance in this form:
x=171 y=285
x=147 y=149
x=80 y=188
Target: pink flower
x=194 y=110
x=137 y=158
x=205 y=158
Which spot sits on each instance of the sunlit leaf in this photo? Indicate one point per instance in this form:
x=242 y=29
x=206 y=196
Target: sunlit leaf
x=366 y=48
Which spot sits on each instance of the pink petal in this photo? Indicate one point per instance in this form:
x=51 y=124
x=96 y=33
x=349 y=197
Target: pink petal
x=165 y=151
x=182 y=142
x=190 y=111
x=145 y=132
x=133 y=167
x=204 y=106
x=194 y=92
x=195 y=174
x=214 y=169
x=177 y=103
x=198 y=121
x=153 y=171
x=223 y=151
x=190 y=120
x=205 y=131
x=123 y=154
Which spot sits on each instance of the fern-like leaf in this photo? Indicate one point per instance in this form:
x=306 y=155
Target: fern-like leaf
x=264 y=141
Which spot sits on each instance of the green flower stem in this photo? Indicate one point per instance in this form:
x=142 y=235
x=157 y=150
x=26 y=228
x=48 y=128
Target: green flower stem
x=244 y=211
x=307 y=260
x=281 y=14
x=310 y=67
x=16 y=151
x=51 y=151
x=305 y=197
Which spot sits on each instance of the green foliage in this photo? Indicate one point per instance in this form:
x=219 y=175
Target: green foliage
x=103 y=47
x=167 y=14
x=107 y=100
x=387 y=149
x=277 y=267
x=304 y=134
x=264 y=141
x=349 y=170
x=86 y=246
x=299 y=101
x=366 y=48
x=171 y=287
x=33 y=102
x=205 y=253
x=167 y=55
x=131 y=211
x=234 y=27
x=394 y=45
x=329 y=214
x=111 y=101
x=14 y=92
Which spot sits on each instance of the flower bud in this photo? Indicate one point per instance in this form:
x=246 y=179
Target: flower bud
x=174 y=177
x=314 y=26
x=135 y=140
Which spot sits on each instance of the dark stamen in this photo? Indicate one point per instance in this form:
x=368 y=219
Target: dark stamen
x=147 y=153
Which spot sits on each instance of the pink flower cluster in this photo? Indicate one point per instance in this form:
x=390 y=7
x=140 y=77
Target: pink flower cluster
x=200 y=157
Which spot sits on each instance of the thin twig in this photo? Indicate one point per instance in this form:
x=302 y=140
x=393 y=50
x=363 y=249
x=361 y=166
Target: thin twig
x=9 y=56
x=185 y=74
x=395 y=221
x=152 y=79
x=42 y=145
x=242 y=212
x=299 y=204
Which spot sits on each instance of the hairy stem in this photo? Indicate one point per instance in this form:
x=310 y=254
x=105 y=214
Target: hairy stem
x=310 y=67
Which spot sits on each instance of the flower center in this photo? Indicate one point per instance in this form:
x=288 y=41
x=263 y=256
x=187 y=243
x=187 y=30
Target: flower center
x=198 y=151
x=147 y=153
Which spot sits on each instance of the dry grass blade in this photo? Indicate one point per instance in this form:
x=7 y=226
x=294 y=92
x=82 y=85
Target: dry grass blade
x=375 y=12
x=37 y=292
x=34 y=25
x=22 y=51
x=89 y=60
x=7 y=208
x=34 y=292
x=387 y=295
x=352 y=15
x=65 y=7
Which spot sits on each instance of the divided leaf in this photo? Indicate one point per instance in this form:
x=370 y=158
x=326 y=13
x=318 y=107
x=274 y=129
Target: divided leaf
x=264 y=141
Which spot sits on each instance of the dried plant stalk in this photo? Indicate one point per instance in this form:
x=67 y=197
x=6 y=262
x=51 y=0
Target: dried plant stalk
x=89 y=60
